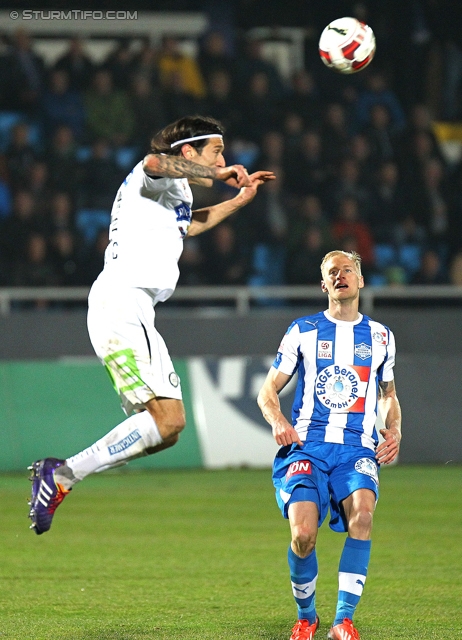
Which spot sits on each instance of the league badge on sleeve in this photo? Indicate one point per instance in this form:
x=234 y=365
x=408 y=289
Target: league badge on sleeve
x=381 y=337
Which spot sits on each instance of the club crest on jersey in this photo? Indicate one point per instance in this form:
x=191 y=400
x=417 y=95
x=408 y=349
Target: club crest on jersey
x=368 y=468
x=363 y=351
x=342 y=388
x=174 y=379
x=299 y=467
x=325 y=349
x=380 y=336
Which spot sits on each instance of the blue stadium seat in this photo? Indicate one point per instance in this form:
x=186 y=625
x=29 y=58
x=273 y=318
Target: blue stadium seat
x=7 y=121
x=83 y=153
x=90 y=221
x=384 y=256
x=377 y=280
x=410 y=256
x=126 y=157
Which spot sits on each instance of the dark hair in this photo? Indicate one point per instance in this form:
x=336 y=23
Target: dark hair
x=187 y=127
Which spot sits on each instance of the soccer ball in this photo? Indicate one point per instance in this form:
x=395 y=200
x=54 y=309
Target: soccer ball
x=347 y=45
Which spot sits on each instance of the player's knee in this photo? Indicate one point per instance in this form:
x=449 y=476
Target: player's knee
x=303 y=540
x=169 y=417
x=360 y=522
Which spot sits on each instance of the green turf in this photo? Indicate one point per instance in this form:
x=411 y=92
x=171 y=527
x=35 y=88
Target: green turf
x=201 y=555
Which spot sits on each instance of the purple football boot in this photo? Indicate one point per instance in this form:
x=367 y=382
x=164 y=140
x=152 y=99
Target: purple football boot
x=47 y=495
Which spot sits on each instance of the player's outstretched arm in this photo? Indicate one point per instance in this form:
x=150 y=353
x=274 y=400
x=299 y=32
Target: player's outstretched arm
x=391 y=414
x=208 y=217
x=165 y=166
x=268 y=401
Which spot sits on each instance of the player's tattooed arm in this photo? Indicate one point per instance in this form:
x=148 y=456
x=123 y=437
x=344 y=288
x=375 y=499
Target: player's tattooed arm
x=391 y=414
x=165 y=166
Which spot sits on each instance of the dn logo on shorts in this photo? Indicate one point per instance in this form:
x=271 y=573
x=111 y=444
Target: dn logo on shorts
x=298 y=468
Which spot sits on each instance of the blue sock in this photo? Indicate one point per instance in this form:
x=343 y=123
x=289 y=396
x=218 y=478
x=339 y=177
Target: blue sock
x=352 y=576
x=303 y=575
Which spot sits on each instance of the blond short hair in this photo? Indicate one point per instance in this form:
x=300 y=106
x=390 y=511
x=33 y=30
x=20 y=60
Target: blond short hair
x=351 y=255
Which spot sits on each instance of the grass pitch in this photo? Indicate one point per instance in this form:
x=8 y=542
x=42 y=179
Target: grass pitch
x=201 y=555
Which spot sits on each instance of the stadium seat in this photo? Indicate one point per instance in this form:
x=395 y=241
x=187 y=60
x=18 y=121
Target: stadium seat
x=7 y=121
x=126 y=157
x=267 y=270
x=410 y=257
x=384 y=256
x=377 y=280
x=90 y=221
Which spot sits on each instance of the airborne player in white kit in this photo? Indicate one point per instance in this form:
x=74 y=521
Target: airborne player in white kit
x=329 y=455
x=151 y=216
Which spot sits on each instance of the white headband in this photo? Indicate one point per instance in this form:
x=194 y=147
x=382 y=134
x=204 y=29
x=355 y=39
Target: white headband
x=209 y=135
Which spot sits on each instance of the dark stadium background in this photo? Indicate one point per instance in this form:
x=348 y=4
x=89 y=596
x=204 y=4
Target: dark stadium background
x=413 y=253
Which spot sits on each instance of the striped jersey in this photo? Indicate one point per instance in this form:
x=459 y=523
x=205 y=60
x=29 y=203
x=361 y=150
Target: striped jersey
x=339 y=367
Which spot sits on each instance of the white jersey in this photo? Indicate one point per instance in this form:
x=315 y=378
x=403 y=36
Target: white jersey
x=149 y=219
x=339 y=366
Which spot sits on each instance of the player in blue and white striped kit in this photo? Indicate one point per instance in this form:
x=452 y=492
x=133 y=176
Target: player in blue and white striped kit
x=330 y=454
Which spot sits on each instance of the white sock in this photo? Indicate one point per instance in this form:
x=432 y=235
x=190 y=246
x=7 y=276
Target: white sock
x=127 y=441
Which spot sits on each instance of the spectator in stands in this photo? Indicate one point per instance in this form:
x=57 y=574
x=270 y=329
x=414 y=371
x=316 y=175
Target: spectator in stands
x=348 y=183
x=119 y=63
x=378 y=91
x=303 y=263
x=259 y=108
x=147 y=120
x=77 y=64
x=251 y=61
x=26 y=72
x=435 y=201
x=191 y=264
x=221 y=102
x=60 y=216
x=293 y=127
x=65 y=255
x=268 y=216
x=145 y=63
x=224 y=261
x=20 y=155
x=38 y=186
x=409 y=231
x=15 y=229
x=360 y=150
x=176 y=69
x=36 y=269
x=93 y=257
x=335 y=135
x=431 y=270
x=6 y=198
x=388 y=203
x=61 y=105
x=272 y=149
x=420 y=121
x=305 y=170
x=309 y=214
x=214 y=56
x=101 y=177
x=61 y=158
x=381 y=135
x=109 y=113
x=348 y=223
x=302 y=97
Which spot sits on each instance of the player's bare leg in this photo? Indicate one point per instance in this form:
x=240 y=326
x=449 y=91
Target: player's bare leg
x=145 y=433
x=359 y=510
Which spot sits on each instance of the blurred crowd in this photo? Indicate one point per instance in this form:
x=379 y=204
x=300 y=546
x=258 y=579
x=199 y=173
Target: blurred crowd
x=357 y=161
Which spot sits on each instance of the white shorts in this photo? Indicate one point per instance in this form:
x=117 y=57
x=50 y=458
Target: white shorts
x=123 y=335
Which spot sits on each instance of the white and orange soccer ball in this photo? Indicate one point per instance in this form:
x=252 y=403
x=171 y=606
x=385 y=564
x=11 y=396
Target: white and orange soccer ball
x=347 y=45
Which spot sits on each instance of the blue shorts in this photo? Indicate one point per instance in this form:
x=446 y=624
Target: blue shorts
x=328 y=473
